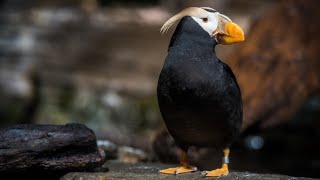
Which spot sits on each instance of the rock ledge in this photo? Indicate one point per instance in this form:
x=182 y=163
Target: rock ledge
x=146 y=171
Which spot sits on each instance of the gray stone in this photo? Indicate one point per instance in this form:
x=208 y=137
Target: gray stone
x=146 y=171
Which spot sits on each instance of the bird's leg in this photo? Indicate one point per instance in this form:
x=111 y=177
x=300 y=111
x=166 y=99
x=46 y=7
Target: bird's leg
x=183 y=168
x=224 y=169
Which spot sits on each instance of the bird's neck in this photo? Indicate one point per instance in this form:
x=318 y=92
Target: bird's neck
x=189 y=38
x=193 y=46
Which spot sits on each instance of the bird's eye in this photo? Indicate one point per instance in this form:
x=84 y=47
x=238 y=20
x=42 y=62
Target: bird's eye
x=205 y=20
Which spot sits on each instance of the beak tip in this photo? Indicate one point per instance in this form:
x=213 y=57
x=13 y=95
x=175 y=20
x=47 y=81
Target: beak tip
x=243 y=38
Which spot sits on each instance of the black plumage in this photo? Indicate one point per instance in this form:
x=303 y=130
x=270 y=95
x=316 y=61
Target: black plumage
x=198 y=94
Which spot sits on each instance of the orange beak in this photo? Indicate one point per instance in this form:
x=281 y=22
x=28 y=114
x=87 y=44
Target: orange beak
x=232 y=34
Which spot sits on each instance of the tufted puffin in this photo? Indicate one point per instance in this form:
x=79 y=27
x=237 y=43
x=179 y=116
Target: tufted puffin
x=198 y=95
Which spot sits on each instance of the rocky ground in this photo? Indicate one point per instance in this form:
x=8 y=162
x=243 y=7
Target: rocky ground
x=146 y=171
x=51 y=151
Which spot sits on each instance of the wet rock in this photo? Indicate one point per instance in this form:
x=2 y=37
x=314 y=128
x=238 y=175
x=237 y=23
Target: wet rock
x=48 y=148
x=150 y=171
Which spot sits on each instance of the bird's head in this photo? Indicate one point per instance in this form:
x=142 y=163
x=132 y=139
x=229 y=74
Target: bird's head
x=217 y=25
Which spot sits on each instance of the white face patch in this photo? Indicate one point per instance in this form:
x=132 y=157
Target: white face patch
x=209 y=23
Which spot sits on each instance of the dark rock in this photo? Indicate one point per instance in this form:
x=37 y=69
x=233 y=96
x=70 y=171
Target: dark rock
x=48 y=148
x=150 y=171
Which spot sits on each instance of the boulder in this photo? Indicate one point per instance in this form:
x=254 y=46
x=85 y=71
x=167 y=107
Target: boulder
x=43 y=149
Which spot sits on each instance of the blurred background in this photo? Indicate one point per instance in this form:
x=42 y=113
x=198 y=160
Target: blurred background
x=97 y=62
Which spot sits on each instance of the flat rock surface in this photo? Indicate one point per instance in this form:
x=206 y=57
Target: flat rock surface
x=148 y=171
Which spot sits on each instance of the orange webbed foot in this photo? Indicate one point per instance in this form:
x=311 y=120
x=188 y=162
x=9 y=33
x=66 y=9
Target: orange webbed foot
x=183 y=168
x=224 y=170
x=218 y=172
x=179 y=170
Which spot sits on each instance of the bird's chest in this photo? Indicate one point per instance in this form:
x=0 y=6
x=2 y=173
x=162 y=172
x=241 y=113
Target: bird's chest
x=193 y=81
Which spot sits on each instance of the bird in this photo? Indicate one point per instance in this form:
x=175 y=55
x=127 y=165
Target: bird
x=198 y=94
